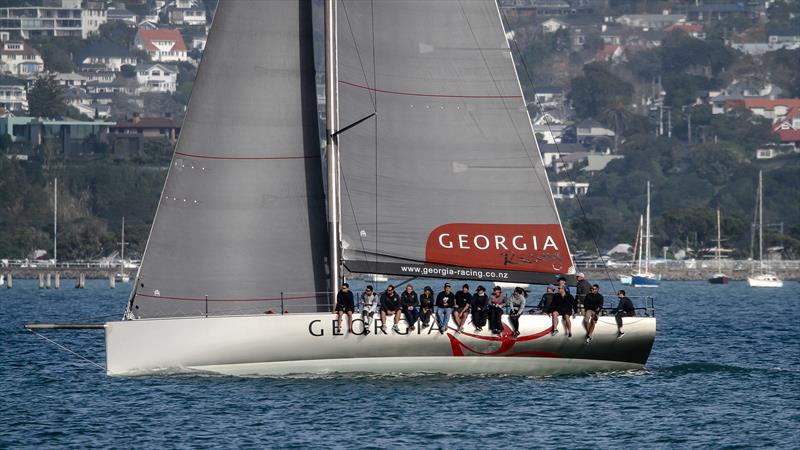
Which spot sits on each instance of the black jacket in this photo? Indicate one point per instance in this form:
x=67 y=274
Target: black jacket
x=626 y=305
x=463 y=299
x=390 y=303
x=593 y=301
x=344 y=300
x=426 y=301
x=565 y=305
x=480 y=303
x=445 y=300
x=408 y=299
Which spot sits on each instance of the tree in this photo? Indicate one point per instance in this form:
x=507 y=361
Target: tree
x=597 y=89
x=128 y=71
x=617 y=116
x=46 y=98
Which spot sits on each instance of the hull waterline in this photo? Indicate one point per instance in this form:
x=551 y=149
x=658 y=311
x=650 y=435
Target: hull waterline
x=312 y=344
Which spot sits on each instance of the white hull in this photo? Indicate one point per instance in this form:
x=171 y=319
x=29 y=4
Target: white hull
x=2 y=280
x=306 y=343
x=627 y=280
x=765 y=282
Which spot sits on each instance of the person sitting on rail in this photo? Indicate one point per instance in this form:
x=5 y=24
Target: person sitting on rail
x=583 y=289
x=369 y=303
x=409 y=302
x=426 y=301
x=496 y=304
x=517 y=309
x=563 y=305
x=624 y=309
x=390 y=305
x=345 y=305
x=445 y=302
x=562 y=282
x=463 y=302
x=592 y=305
x=480 y=306
x=546 y=303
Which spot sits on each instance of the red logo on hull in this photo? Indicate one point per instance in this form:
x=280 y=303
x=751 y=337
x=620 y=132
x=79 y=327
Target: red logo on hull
x=521 y=247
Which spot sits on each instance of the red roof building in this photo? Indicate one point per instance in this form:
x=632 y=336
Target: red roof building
x=788 y=127
x=770 y=109
x=164 y=45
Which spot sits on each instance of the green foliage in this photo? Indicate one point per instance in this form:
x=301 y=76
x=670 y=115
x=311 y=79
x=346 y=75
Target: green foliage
x=183 y=92
x=56 y=52
x=115 y=33
x=46 y=98
x=785 y=13
x=680 y=52
x=598 y=89
x=783 y=66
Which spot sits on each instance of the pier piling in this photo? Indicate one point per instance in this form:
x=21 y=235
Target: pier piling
x=112 y=281
x=49 y=281
x=41 y=280
x=9 y=281
x=57 y=284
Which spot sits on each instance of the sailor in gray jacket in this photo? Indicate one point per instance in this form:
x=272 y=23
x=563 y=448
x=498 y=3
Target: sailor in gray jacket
x=369 y=305
x=517 y=309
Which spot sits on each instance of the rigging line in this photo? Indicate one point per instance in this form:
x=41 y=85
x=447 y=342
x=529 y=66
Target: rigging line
x=531 y=161
x=375 y=84
x=66 y=349
x=372 y=96
x=352 y=208
x=356 y=123
x=571 y=179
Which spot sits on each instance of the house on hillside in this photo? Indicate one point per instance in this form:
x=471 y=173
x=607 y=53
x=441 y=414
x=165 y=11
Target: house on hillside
x=19 y=58
x=568 y=189
x=552 y=25
x=157 y=77
x=549 y=95
x=71 y=79
x=695 y=30
x=554 y=154
x=118 y=13
x=13 y=93
x=590 y=129
x=70 y=136
x=783 y=34
x=770 y=109
x=186 y=12
x=741 y=90
x=711 y=12
x=51 y=18
x=105 y=55
x=164 y=45
x=650 y=21
x=788 y=128
x=129 y=136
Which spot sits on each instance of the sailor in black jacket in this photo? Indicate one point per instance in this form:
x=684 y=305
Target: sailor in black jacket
x=345 y=304
x=625 y=308
x=480 y=305
x=563 y=305
x=409 y=302
x=592 y=304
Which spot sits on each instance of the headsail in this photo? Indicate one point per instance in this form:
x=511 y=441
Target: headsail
x=241 y=222
x=446 y=180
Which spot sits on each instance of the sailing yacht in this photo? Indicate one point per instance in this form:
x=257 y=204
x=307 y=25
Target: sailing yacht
x=424 y=109
x=627 y=280
x=764 y=278
x=643 y=277
x=719 y=277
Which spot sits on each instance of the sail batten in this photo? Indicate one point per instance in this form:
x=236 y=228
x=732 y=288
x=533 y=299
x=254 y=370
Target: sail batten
x=241 y=221
x=447 y=176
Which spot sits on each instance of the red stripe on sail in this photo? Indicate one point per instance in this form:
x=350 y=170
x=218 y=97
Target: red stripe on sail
x=244 y=158
x=420 y=94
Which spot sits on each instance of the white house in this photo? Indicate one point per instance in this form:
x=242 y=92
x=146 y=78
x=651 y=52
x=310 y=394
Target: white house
x=18 y=58
x=157 y=77
x=568 y=189
x=590 y=129
x=165 y=45
x=13 y=93
x=552 y=25
x=71 y=79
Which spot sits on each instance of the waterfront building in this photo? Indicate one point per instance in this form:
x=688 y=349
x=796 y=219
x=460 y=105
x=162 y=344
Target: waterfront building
x=70 y=136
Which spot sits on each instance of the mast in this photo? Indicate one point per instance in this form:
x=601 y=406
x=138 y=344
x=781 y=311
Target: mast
x=760 y=224
x=636 y=243
x=647 y=248
x=122 y=248
x=719 y=244
x=55 y=222
x=641 y=236
x=331 y=143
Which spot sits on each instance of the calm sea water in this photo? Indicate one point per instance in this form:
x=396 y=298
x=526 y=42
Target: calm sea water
x=725 y=372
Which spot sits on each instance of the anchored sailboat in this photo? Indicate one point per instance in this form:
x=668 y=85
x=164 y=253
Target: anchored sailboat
x=643 y=277
x=764 y=278
x=719 y=277
x=432 y=171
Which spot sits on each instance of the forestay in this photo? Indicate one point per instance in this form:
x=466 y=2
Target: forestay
x=446 y=179
x=241 y=222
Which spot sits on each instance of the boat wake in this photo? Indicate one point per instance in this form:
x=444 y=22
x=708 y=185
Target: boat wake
x=706 y=367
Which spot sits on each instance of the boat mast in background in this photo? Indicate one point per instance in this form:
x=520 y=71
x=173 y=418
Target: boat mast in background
x=331 y=145
x=647 y=237
x=55 y=221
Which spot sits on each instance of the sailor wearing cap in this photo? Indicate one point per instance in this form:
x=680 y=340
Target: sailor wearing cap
x=445 y=302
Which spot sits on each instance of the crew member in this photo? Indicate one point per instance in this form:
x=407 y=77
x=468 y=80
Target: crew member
x=546 y=303
x=581 y=290
x=496 y=304
x=592 y=305
x=463 y=302
x=369 y=303
x=345 y=304
x=517 y=309
x=426 y=302
x=409 y=302
x=624 y=309
x=480 y=305
x=564 y=306
x=445 y=302
x=390 y=305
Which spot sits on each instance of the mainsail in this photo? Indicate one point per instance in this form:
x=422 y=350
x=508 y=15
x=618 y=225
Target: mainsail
x=241 y=225
x=445 y=179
